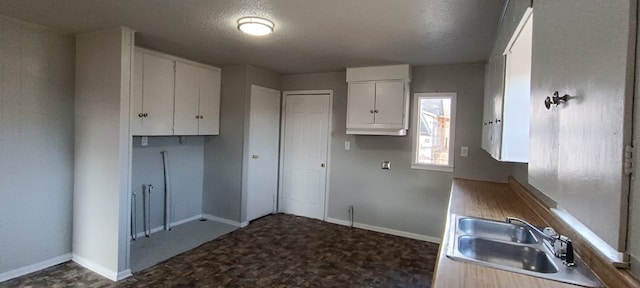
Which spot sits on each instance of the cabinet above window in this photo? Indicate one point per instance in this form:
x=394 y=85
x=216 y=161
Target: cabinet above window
x=378 y=100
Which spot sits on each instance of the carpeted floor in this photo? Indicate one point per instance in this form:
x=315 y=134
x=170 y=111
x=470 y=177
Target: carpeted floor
x=274 y=251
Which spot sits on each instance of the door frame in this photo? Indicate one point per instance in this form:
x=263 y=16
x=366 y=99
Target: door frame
x=283 y=132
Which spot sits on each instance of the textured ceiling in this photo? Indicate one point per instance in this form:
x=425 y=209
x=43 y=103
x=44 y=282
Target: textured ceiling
x=310 y=35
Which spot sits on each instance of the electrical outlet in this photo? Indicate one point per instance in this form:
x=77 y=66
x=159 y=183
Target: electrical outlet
x=464 y=151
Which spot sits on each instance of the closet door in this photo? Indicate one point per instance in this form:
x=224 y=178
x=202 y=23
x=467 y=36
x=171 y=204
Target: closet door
x=264 y=139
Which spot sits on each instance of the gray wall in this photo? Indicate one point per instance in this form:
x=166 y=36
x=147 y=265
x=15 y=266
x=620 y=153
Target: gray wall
x=402 y=198
x=224 y=163
x=36 y=144
x=185 y=171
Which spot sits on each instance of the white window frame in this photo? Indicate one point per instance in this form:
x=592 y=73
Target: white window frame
x=415 y=131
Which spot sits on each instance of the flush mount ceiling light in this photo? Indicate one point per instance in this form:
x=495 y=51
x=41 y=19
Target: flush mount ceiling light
x=255 y=26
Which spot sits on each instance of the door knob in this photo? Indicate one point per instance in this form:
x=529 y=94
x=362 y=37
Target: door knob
x=323 y=165
x=254 y=156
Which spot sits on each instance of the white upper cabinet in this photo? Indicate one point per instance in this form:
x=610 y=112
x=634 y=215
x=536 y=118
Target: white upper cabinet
x=378 y=100
x=152 y=97
x=209 y=107
x=173 y=96
x=584 y=49
x=505 y=125
x=186 y=116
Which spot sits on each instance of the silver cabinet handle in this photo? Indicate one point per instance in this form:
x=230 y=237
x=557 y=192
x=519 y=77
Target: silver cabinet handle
x=371 y=111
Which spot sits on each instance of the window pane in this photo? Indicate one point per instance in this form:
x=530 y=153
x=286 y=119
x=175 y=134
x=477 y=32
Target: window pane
x=433 y=140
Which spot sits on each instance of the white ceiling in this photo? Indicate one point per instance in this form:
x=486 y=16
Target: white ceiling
x=310 y=35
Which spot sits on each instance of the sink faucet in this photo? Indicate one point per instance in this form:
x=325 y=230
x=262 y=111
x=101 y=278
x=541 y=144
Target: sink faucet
x=569 y=258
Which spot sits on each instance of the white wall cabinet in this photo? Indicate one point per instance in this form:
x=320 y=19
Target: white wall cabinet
x=378 y=100
x=174 y=96
x=197 y=100
x=577 y=147
x=152 y=95
x=505 y=126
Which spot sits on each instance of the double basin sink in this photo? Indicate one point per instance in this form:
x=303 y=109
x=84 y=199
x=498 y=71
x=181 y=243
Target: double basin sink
x=512 y=247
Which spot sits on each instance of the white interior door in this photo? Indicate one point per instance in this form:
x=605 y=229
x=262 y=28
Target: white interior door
x=306 y=133
x=264 y=137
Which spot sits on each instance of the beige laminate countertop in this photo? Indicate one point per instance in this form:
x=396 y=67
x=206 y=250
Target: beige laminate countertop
x=493 y=201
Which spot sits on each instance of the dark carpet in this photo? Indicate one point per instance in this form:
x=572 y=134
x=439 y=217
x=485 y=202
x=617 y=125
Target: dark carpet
x=274 y=251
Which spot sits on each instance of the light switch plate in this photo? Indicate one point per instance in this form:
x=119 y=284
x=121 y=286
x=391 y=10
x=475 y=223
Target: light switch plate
x=347 y=145
x=464 y=151
x=386 y=165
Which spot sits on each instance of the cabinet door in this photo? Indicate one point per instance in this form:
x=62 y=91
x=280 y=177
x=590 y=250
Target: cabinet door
x=587 y=134
x=498 y=96
x=185 y=120
x=136 y=95
x=157 y=90
x=209 y=123
x=360 y=106
x=389 y=103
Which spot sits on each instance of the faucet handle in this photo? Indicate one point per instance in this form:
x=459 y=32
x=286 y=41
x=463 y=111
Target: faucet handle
x=550 y=232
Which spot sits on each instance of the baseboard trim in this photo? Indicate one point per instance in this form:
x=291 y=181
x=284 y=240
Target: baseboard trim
x=385 y=230
x=224 y=220
x=97 y=268
x=34 y=267
x=176 y=223
x=124 y=274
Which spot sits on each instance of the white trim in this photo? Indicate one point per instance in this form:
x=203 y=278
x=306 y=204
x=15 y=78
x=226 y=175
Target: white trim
x=97 y=268
x=223 y=220
x=617 y=258
x=283 y=113
x=180 y=222
x=124 y=274
x=523 y=21
x=175 y=58
x=244 y=224
x=34 y=267
x=173 y=224
x=386 y=230
x=440 y=168
x=415 y=131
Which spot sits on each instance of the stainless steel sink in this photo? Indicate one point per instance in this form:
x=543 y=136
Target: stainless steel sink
x=511 y=247
x=496 y=230
x=515 y=256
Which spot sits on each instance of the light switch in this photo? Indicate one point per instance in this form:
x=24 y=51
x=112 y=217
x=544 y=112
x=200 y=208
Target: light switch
x=464 y=151
x=386 y=165
x=144 y=141
x=347 y=145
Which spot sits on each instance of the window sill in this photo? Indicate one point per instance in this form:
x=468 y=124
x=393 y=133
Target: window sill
x=432 y=167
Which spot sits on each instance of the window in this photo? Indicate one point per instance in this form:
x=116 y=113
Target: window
x=434 y=124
